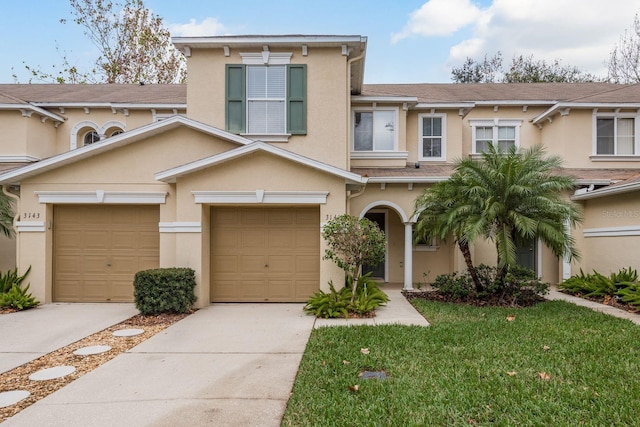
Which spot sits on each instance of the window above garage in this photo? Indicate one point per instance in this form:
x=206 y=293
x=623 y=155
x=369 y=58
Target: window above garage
x=266 y=97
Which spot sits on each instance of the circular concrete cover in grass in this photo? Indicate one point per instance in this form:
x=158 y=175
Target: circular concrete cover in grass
x=128 y=332
x=94 y=349
x=9 y=398
x=52 y=373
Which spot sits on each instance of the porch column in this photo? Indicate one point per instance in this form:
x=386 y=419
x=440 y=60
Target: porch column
x=408 y=256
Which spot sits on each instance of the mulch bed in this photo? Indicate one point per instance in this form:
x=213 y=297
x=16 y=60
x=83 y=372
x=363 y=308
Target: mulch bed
x=18 y=378
x=491 y=301
x=608 y=300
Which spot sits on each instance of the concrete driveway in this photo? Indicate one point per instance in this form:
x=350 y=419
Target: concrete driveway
x=225 y=365
x=29 y=334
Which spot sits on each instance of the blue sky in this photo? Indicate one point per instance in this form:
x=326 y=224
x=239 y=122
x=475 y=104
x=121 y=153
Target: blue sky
x=409 y=41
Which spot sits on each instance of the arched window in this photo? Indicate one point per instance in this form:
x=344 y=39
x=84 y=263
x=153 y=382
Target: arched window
x=91 y=137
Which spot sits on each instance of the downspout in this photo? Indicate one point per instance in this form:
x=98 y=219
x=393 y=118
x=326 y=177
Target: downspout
x=348 y=138
x=16 y=217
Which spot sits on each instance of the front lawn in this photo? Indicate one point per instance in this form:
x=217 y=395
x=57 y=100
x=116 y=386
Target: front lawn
x=551 y=364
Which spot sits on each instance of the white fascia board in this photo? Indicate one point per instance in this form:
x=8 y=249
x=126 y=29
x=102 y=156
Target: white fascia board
x=130 y=106
x=383 y=99
x=14 y=176
x=444 y=105
x=516 y=102
x=220 y=41
x=587 y=181
x=608 y=191
x=170 y=176
x=407 y=179
x=33 y=107
x=584 y=105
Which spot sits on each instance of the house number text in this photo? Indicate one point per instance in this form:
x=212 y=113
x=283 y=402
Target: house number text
x=30 y=215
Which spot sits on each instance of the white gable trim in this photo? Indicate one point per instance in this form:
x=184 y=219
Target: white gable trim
x=261 y=196
x=126 y=138
x=171 y=175
x=101 y=196
x=180 y=227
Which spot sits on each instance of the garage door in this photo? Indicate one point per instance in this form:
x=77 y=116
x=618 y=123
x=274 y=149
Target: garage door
x=265 y=254
x=98 y=250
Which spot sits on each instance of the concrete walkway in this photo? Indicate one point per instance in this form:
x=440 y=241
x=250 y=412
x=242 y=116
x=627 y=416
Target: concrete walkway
x=397 y=311
x=554 y=294
x=225 y=365
x=29 y=334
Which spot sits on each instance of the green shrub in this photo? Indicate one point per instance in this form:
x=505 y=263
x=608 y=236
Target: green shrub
x=454 y=285
x=12 y=294
x=625 y=275
x=623 y=285
x=519 y=287
x=334 y=303
x=10 y=278
x=18 y=298
x=329 y=304
x=368 y=295
x=164 y=290
x=630 y=294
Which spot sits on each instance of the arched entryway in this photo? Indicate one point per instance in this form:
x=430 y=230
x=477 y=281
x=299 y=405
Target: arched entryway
x=397 y=226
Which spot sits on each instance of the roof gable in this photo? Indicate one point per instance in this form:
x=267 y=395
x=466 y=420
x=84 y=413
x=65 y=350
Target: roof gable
x=16 y=175
x=171 y=175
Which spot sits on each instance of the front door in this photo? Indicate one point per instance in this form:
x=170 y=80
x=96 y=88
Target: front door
x=526 y=254
x=377 y=271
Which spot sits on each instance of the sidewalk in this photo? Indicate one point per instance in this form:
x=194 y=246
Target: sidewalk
x=397 y=311
x=554 y=294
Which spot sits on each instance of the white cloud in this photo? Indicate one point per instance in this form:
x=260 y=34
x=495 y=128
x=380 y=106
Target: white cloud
x=439 y=18
x=580 y=33
x=207 y=27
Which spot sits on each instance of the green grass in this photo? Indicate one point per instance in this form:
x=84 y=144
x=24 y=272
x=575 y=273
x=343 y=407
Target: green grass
x=455 y=372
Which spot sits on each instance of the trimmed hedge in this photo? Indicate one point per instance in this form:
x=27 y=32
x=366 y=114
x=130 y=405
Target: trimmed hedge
x=164 y=290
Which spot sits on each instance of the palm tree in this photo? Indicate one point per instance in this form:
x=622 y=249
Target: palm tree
x=6 y=215
x=505 y=197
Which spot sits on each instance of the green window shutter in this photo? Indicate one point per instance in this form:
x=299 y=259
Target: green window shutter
x=235 y=99
x=297 y=99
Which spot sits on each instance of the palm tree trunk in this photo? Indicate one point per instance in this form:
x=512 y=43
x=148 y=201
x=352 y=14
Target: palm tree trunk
x=466 y=253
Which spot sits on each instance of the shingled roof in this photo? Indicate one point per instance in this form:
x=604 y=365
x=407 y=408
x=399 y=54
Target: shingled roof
x=54 y=94
x=550 y=93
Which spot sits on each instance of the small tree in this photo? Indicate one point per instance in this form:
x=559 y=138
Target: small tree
x=134 y=46
x=353 y=243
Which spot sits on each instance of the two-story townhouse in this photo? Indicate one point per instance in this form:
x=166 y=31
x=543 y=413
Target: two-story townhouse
x=40 y=121
x=278 y=134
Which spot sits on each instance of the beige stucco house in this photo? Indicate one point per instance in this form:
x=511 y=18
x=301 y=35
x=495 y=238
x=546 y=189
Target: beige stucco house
x=235 y=173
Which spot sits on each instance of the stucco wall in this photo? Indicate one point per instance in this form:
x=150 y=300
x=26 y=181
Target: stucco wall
x=327 y=103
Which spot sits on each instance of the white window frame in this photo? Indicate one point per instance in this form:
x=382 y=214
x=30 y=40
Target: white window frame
x=373 y=152
x=432 y=246
x=282 y=100
x=495 y=124
x=443 y=146
x=615 y=116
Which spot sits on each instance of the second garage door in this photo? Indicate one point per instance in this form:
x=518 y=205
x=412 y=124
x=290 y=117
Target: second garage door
x=98 y=250
x=265 y=254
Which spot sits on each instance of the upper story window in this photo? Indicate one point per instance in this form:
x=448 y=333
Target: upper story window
x=90 y=138
x=375 y=130
x=502 y=134
x=615 y=135
x=266 y=97
x=432 y=136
